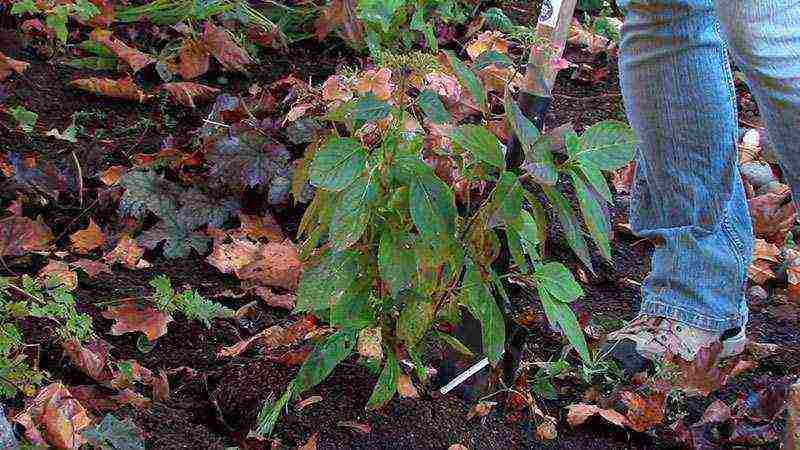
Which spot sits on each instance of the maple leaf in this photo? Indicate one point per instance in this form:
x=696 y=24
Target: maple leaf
x=179 y=237
x=131 y=316
x=127 y=252
x=92 y=268
x=145 y=190
x=21 y=235
x=644 y=412
x=88 y=239
x=186 y=92
x=702 y=375
x=221 y=46
x=194 y=59
x=9 y=65
x=60 y=273
x=378 y=82
x=135 y=58
x=124 y=88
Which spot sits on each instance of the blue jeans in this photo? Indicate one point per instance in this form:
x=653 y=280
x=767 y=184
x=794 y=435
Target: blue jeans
x=688 y=196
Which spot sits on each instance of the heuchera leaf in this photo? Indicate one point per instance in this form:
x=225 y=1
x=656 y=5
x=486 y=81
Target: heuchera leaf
x=250 y=159
x=115 y=433
x=352 y=213
x=144 y=190
x=482 y=306
x=180 y=237
x=387 y=383
x=608 y=145
x=325 y=357
x=337 y=163
x=482 y=143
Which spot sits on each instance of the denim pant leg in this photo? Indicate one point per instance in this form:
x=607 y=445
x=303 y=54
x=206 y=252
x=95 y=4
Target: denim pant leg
x=688 y=197
x=764 y=38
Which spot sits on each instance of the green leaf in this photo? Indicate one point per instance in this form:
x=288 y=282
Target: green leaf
x=515 y=248
x=325 y=357
x=507 y=200
x=86 y=10
x=57 y=20
x=453 y=342
x=397 y=261
x=569 y=224
x=116 y=434
x=381 y=12
x=270 y=413
x=387 y=383
x=370 y=109
x=432 y=106
x=353 y=310
x=561 y=314
x=468 y=78
x=416 y=317
x=593 y=215
x=492 y=57
x=538 y=159
x=93 y=63
x=352 y=213
x=527 y=231
x=26 y=120
x=559 y=282
x=337 y=163
x=432 y=207
x=145 y=190
x=327 y=281
x=24 y=7
x=482 y=306
x=482 y=143
x=608 y=145
x=596 y=179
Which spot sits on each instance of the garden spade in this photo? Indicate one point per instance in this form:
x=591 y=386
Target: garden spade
x=534 y=100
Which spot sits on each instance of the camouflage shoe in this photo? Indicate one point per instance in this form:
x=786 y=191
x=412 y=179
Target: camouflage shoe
x=648 y=338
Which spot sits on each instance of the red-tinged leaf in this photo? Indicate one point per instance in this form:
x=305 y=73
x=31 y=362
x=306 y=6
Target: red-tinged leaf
x=124 y=88
x=644 y=412
x=92 y=268
x=54 y=417
x=277 y=265
x=112 y=175
x=59 y=272
x=9 y=65
x=221 y=46
x=311 y=444
x=284 y=301
x=131 y=316
x=21 y=235
x=273 y=337
x=186 y=92
x=760 y=271
x=88 y=239
x=91 y=358
x=306 y=402
x=293 y=357
x=194 y=60
x=363 y=428
x=704 y=374
x=127 y=252
x=136 y=59
x=341 y=15
x=773 y=215
x=133 y=398
x=579 y=413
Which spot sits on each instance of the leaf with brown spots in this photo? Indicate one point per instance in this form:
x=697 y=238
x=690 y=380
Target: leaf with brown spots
x=21 y=235
x=131 y=316
x=370 y=344
x=88 y=239
x=60 y=273
x=123 y=89
x=10 y=65
x=194 y=59
x=218 y=42
x=135 y=58
x=92 y=268
x=186 y=92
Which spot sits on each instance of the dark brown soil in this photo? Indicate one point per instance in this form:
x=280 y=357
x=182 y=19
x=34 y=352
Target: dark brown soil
x=215 y=401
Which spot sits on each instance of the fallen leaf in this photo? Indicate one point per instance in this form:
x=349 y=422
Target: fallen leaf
x=457 y=447
x=378 y=82
x=643 y=412
x=112 y=175
x=94 y=398
x=127 y=252
x=307 y=401
x=370 y=343
x=579 y=413
x=704 y=374
x=596 y=43
x=760 y=271
x=55 y=417
x=186 y=92
x=546 y=430
x=133 y=398
x=91 y=358
x=622 y=179
x=130 y=316
x=284 y=301
x=363 y=428
x=88 y=239
x=160 y=385
x=481 y=409
x=773 y=214
x=135 y=58
x=92 y=268
x=258 y=227
x=445 y=85
x=274 y=336
x=9 y=65
x=486 y=41
x=218 y=42
x=21 y=235
x=194 y=59
x=791 y=439
x=58 y=272
x=276 y=264
x=297 y=112
x=405 y=387
x=311 y=444
x=124 y=88
x=234 y=256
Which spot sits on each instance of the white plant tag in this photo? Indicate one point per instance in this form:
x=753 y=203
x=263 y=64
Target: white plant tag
x=550 y=11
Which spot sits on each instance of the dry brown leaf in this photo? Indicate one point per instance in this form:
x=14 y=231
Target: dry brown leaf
x=194 y=59
x=546 y=430
x=457 y=447
x=130 y=316
x=363 y=428
x=764 y=250
x=311 y=444
x=370 y=344
x=773 y=214
x=704 y=374
x=217 y=42
x=378 y=82
x=60 y=273
x=486 y=41
x=135 y=58
x=160 y=385
x=21 y=235
x=596 y=43
x=258 y=227
x=91 y=358
x=234 y=256
x=445 y=85
x=92 y=268
x=284 y=301
x=112 y=175
x=186 y=92
x=274 y=336
x=54 y=417
x=760 y=271
x=579 y=413
x=88 y=239
x=9 y=65
x=307 y=401
x=405 y=387
x=130 y=397
x=127 y=252
x=277 y=265
x=123 y=89
x=297 y=112
x=94 y=398
x=644 y=413
x=481 y=409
